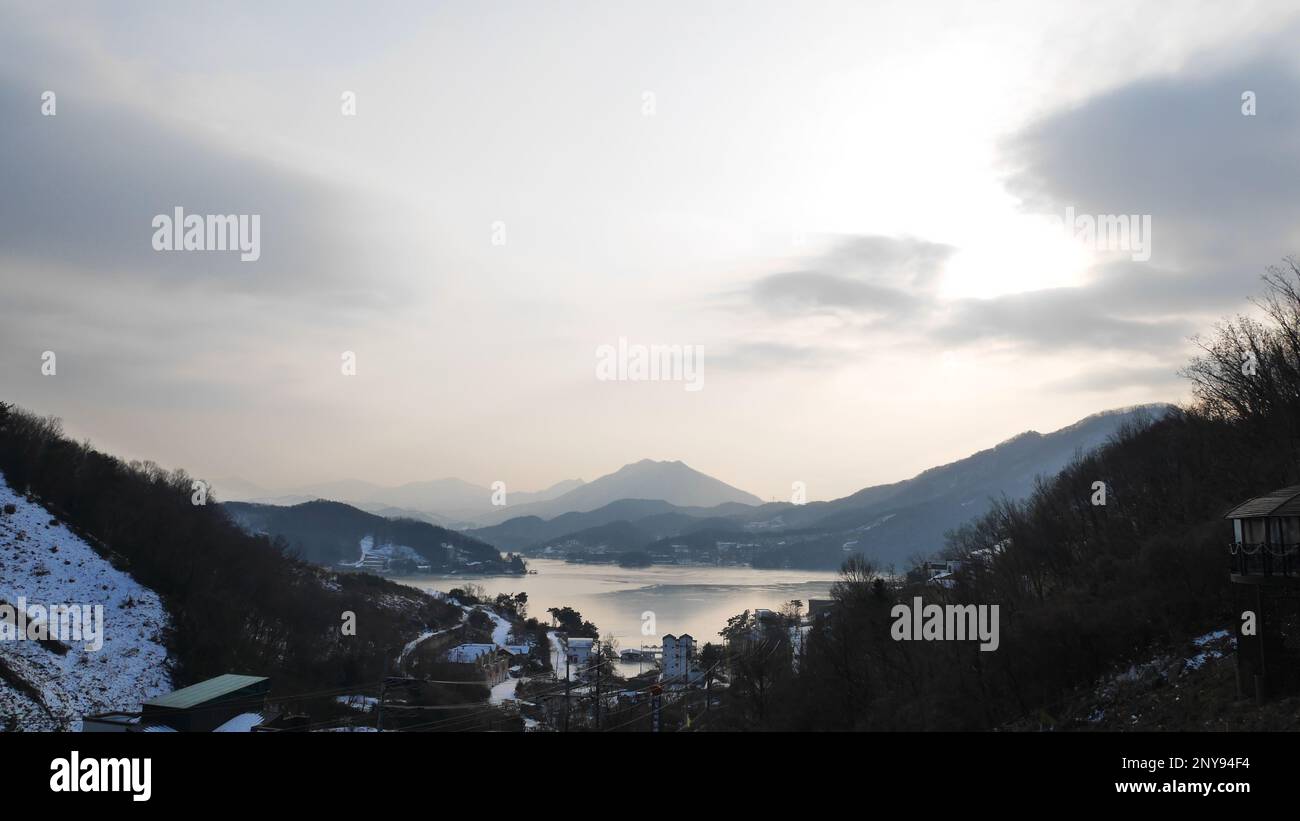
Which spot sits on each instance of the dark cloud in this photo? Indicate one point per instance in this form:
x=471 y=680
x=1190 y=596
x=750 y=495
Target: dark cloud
x=906 y=261
x=871 y=275
x=1220 y=187
x=135 y=326
x=800 y=291
x=82 y=189
x=1059 y=319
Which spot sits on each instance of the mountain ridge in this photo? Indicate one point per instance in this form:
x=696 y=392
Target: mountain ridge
x=448 y=501
x=647 y=479
x=887 y=521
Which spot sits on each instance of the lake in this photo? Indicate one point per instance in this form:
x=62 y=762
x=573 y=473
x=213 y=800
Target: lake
x=683 y=598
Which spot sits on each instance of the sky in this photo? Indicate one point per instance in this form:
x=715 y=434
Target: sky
x=851 y=211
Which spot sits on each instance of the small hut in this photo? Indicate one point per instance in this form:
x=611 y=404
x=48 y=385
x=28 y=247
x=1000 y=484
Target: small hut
x=1265 y=571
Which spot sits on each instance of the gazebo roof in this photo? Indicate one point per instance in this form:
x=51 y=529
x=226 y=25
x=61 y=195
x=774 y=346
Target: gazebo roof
x=1284 y=502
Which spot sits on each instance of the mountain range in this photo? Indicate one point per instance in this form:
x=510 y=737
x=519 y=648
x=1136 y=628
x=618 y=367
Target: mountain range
x=674 y=483
x=449 y=502
x=460 y=504
x=327 y=533
x=888 y=523
x=665 y=507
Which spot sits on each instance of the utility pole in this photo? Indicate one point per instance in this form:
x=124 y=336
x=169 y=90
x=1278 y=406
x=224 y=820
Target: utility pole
x=600 y=662
x=566 y=687
x=655 y=692
x=379 y=718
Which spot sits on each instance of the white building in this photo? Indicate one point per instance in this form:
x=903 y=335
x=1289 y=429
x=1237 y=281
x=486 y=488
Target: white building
x=469 y=653
x=678 y=658
x=374 y=563
x=579 y=651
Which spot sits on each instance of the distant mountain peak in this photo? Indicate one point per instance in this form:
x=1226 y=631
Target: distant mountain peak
x=671 y=481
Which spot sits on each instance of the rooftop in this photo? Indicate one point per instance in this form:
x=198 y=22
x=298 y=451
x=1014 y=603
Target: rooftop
x=213 y=688
x=242 y=723
x=1284 y=502
x=466 y=653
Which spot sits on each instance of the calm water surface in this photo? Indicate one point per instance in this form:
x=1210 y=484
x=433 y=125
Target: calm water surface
x=684 y=598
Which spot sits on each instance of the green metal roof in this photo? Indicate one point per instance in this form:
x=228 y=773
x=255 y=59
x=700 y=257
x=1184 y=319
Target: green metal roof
x=208 y=690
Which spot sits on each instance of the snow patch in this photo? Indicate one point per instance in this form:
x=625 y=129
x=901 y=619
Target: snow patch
x=46 y=564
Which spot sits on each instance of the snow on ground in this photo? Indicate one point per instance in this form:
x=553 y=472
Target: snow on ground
x=420 y=639
x=387 y=550
x=46 y=564
x=1213 y=645
x=798 y=638
x=505 y=691
x=416 y=642
x=242 y=723
x=1217 y=635
x=501 y=632
x=392 y=551
x=558 y=654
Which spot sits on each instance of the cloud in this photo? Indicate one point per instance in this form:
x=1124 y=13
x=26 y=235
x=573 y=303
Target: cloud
x=903 y=261
x=873 y=275
x=767 y=355
x=134 y=327
x=1219 y=186
x=82 y=189
x=800 y=291
x=1103 y=380
x=1059 y=319
x=1123 y=306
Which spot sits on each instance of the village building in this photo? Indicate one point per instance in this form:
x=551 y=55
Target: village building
x=485 y=659
x=227 y=703
x=1265 y=572
x=678 y=660
x=579 y=653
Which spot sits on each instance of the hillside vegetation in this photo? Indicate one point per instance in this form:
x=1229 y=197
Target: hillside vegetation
x=329 y=532
x=238 y=602
x=1083 y=589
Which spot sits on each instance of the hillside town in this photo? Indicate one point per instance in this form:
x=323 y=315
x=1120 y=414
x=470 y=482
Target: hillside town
x=493 y=671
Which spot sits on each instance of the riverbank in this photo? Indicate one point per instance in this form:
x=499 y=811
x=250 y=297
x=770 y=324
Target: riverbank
x=640 y=605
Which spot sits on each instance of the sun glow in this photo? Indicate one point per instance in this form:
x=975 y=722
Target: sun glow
x=1020 y=253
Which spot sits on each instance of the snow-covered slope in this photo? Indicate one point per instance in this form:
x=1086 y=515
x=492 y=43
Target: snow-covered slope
x=44 y=563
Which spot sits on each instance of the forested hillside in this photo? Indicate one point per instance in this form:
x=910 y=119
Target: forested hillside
x=1082 y=588
x=237 y=602
x=329 y=532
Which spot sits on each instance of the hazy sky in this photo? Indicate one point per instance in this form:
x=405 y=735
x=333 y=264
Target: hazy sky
x=846 y=204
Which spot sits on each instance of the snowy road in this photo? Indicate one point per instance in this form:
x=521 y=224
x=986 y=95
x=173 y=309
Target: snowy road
x=505 y=691
x=557 y=654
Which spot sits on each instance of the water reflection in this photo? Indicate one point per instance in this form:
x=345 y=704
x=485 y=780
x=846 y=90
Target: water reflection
x=682 y=598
